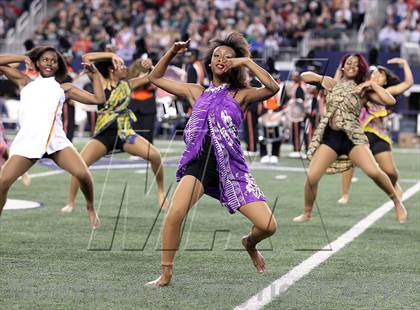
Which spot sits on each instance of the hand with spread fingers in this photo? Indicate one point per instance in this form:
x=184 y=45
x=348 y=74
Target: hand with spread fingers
x=180 y=46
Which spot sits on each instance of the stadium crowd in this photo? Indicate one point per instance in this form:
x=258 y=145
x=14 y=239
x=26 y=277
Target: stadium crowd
x=136 y=27
x=9 y=12
x=133 y=29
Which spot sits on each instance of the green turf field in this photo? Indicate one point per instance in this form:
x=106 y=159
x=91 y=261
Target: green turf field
x=50 y=260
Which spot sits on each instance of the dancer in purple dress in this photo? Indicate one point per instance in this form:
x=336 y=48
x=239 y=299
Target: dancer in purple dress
x=213 y=162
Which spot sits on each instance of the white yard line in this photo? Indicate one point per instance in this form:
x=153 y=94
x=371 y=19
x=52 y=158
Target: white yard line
x=282 y=284
x=45 y=174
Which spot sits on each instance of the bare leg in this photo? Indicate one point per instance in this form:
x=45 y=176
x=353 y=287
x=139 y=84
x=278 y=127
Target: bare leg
x=361 y=155
x=346 y=177
x=13 y=168
x=387 y=164
x=71 y=161
x=264 y=225
x=92 y=152
x=144 y=149
x=323 y=158
x=26 y=179
x=187 y=193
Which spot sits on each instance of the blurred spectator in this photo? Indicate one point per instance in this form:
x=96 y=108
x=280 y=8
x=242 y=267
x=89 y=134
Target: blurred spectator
x=388 y=37
x=9 y=13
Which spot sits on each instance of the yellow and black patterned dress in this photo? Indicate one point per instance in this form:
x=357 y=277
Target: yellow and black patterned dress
x=114 y=118
x=343 y=110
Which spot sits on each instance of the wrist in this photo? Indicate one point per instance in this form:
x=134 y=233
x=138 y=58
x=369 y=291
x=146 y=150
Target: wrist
x=248 y=61
x=172 y=53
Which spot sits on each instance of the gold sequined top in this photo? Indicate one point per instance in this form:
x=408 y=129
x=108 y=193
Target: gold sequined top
x=343 y=110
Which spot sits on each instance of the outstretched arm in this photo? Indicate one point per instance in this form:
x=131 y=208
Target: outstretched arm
x=75 y=93
x=11 y=73
x=190 y=91
x=398 y=89
x=313 y=78
x=248 y=95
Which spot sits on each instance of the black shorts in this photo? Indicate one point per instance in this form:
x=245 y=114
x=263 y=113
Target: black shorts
x=206 y=174
x=338 y=141
x=376 y=144
x=109 y=137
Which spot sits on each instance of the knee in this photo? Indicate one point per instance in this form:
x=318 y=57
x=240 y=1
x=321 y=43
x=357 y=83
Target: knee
x=82 y=175
x=174 y=216
x=393 y=174
x=271 y=227
x=154 y=156
x=311 y=180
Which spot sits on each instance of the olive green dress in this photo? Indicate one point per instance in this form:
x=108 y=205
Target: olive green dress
x=343 y=109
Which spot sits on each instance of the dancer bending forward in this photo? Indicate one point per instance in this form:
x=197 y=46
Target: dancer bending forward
x=374 y=120
x=213 y=162
x=339 y=139
x=113 y=128
x=41 y=133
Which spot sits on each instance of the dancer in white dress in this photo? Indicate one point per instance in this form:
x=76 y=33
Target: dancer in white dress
x=41 y=133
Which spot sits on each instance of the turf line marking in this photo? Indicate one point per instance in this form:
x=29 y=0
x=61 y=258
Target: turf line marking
x=46 y=174
x=282 y=284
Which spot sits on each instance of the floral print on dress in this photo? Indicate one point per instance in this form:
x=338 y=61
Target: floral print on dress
x=252 y=187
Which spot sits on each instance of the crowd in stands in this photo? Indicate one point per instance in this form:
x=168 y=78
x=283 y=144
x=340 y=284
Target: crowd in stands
x=147 y=26
x=9 y=12
x=402 y=25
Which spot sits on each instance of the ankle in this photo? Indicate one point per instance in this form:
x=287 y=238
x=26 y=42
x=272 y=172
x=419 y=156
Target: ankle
x=167 y=269
x=307 y=211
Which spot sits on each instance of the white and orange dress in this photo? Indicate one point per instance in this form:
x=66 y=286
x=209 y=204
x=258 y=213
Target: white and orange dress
x=41 y=129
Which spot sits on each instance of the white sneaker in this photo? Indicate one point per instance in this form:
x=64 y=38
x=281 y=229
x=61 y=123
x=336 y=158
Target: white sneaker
x=265 y=159
x=274 y=159
x=294 y=155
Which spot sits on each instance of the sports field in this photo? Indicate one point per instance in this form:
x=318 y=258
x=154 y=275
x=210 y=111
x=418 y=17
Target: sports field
x=50 y=260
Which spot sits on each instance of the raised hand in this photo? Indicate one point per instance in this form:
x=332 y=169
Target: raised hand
x=117 y=62
x=361 y=88
x=29 y=64
x=397 y=60
x=180 y=46
x=147 y=64
x=90 y=69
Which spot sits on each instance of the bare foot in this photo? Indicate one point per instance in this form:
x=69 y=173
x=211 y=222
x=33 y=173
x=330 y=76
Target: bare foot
x=401 y=212
x=93 y=218
x=256 y=257
x=163 y=280
x=302 y=218
x=26 y=179
x=343 y=200
x=68 y=208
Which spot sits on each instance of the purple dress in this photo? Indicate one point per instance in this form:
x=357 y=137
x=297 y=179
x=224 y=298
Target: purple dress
x=219 y=115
